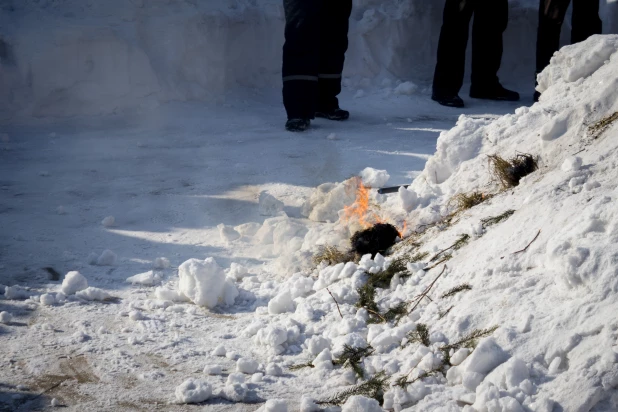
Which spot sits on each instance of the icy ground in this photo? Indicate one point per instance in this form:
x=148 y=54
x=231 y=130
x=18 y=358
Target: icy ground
x=168 y=178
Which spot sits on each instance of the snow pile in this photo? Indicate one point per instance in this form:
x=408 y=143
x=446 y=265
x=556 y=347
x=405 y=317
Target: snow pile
x=205 y=283
x=519 y=288
x=73 y=282
x=193 y=391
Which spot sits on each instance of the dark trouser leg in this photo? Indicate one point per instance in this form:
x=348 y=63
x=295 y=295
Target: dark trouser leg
x=301 y=55
x=450 y=67
x=551 y=17
x=490 y=21
x=334 y=26
x=586 y=21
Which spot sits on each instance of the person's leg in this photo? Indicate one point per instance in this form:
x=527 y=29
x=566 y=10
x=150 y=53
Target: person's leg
x=490 y=21
x=551 y=17
x=301 y=54
x=586 y=20
x=334 y=24
x=450 y=67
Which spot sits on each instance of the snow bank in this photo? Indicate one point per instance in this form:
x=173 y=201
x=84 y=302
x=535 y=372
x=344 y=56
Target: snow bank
x=530 y=328
x=205 y=283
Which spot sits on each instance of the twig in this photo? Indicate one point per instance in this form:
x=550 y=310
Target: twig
x=377 y=314
x=532 y=241
x=331 y=295
x=444 y=259
x=584 y=149
x=426 y=291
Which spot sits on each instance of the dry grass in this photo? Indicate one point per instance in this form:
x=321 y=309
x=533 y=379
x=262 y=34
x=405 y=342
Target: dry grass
x=332 y=256
x=510 y=172
x=464 y=201
x=598 y=128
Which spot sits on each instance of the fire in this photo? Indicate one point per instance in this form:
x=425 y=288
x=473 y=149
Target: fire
x=403 y=231
x=359 y=210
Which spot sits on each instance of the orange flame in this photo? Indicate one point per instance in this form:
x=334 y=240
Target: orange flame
x=359 y=210
x=403 y=231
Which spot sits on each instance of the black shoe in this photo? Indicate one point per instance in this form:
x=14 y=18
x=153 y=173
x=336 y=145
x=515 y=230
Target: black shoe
x=297 y=125
x=536 y=96
x=448 y=101
x=335 y=114
x=496 y=92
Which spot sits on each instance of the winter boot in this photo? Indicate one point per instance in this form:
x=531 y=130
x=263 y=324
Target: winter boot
x=536 y=96
x=297 y=125
x=448 y=101
x=496 y=92
x=334 y=114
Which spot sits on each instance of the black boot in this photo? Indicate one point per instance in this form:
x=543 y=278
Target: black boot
x=297 y=125
x=448 y=101
x=496 y=92
x=536 y=96
x=334 y=114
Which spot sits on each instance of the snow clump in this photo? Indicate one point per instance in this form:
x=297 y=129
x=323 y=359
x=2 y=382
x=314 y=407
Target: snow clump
x=193 y=391
x=73 y=282
x=5 y=317
x=205 y=284
x=146 y=279
x=107 y=258
x=374 y=178
x=93 y=294
x=109 y=221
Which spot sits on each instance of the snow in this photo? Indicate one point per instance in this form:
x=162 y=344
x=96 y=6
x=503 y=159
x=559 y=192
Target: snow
x=204 y=283
x=248 y=366
x=161 y=263
x=5 y=317
x=107 y=258
x=275 y=405
x=47 y=299
x=213 y=370
x=73 y=282
x=193 y=391
x=374 y=178
x=185 y=179
x=359 y=403
x=281 y=303
x=269 y=205
x=146 y=279
x=109 y=221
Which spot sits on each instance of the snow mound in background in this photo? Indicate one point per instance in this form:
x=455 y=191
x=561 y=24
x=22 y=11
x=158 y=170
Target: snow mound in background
x=205 y=283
